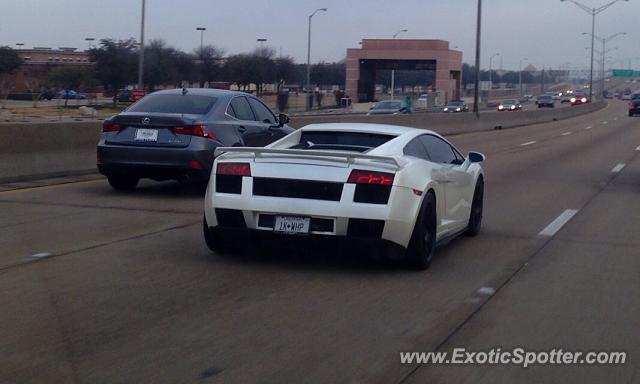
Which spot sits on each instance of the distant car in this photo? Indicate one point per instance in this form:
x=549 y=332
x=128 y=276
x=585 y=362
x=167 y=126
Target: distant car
x=545 y=101
x=579 y=98
x=396 y=190
x=423 y=98
x=172 y=134
x=566 y=98
x=634 y=107
x=70 y=95
x=47 y=95
x=124 y=96
x=456 y=106
x=509 y=105
x=388 y=107
x=626 y=96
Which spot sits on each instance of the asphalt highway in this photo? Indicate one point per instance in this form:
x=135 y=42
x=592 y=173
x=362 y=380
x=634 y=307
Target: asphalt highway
x=99 y=286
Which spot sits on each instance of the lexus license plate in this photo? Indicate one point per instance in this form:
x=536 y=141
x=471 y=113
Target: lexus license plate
x=146 y=134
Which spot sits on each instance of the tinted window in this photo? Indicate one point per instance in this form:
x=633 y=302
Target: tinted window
x=388 y=105
x=263 y=114
x=241 y=109
x=167 y=103
x=439 y=150
x=352 y=141
x=416 y=149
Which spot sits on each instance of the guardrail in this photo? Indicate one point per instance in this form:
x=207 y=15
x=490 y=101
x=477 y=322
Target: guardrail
x=37 y=150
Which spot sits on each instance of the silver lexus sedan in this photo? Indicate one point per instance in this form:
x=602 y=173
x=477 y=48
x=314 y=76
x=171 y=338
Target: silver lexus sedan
x=172 y=134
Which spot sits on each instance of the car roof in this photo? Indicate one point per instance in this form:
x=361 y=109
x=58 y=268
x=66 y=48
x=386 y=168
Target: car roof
x=385 y=129
x=200 y=92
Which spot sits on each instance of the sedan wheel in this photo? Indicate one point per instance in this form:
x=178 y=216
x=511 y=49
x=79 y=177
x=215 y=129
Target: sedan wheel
x=423 y=241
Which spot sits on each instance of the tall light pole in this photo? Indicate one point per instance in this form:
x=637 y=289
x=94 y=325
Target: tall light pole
x=520 y=74
x=393 y=71
x=201 y=29
x=89 y=40
x=476 y=91
x=141 y=53
x=604 y=41
x=308 y=104
x=593 y=12
x=491 y=73
x=262 y=41
x=19 y=45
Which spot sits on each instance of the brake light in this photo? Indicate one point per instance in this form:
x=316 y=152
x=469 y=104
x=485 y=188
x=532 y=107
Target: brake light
x=108 y=126
x=632 y=106
x=195 y=130
x=236 y=169
x=359 y=176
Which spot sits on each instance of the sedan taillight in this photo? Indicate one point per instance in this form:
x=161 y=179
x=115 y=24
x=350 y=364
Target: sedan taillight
x=108 y=126
x=195 y=130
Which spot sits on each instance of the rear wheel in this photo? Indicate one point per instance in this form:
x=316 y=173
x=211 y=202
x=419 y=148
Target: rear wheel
x=214 y=241
x=475 y=219
x=423 y=240
x=123 y=183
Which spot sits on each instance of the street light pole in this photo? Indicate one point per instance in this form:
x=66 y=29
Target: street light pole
x=593 y=12
x=491 y=73
x=520 y=74
x=201 y=29
x=141 y=53
x=393 y=71
x=309 y=56
x=89 y=40
x=262 y=41
x=476 y=91
x=19 y=45
x=604 y=41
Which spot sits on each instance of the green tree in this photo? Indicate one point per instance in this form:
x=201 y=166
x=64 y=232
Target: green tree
x=209 y=66
x=71 y=77
x=9 y=62
x=161 y=64
x=116 y=63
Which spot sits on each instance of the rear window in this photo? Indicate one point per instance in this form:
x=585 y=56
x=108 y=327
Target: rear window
x=167 y=103
x=348 y=141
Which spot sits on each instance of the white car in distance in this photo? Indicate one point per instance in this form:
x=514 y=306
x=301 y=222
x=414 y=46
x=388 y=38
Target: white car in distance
x=403 y=189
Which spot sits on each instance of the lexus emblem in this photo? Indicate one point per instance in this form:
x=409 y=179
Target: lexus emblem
x=146 y=121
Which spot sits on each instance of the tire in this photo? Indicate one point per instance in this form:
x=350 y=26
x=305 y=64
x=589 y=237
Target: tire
x=423 y=240
x=475 y=218
x=214 y=242
x=123 y=183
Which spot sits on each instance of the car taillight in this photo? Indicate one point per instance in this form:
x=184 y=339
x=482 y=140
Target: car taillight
x=358 y=176
x=632 y=106
x=235 y=169
x=195 y=130
x=111 y=127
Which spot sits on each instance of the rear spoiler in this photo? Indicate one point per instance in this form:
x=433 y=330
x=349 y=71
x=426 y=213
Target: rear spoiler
x=348 y=158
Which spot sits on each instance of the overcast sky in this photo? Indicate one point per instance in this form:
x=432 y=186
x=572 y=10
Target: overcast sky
x=547 y=32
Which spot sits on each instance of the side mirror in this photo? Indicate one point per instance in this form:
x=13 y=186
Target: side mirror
x=283 y=119
x=476 y=157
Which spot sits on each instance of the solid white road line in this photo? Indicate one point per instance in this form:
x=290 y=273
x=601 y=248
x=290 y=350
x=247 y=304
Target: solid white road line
x=615 y=119
x=558 y=223
x=528 y=143
x=605 y=122
x=618 y=168
x=589 y=127
x=567 y=133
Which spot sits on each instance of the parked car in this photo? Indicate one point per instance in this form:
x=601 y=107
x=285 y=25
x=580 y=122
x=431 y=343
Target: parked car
x=172 y=134
x=456 y=106
x=509 y=105
x=545 y=101
x=395 y=190
x=70 y=95
x=388 y=107
x=634 y=107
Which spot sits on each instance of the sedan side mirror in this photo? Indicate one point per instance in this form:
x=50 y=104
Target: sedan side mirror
x=283 y=119
x=476 y=157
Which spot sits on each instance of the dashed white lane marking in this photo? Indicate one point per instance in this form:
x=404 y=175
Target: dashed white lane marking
x=618 y=168
x=528 y=143
x=638 y=149
x=567 y=133
x=558 y=223
x=486 y=291
x=41 y=255
x=615 y=119
x=605 y=122
x=589 y=127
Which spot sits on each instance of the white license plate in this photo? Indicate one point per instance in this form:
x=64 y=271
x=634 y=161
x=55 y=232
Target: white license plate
x=291 y=224
x=146 y=134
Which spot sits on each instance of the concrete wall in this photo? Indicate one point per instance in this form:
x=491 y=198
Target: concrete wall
x=32 y=150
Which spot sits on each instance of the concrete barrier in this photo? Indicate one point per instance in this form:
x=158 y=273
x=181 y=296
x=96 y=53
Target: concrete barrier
x=37 y=150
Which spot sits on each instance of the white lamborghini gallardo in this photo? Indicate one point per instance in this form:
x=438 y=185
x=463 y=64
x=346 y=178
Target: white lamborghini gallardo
x=404 y=189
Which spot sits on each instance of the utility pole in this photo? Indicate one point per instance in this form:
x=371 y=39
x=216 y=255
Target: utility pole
x=476 y=91
x=141 y=53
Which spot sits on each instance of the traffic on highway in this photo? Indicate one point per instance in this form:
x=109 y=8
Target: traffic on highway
x=390 y=213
